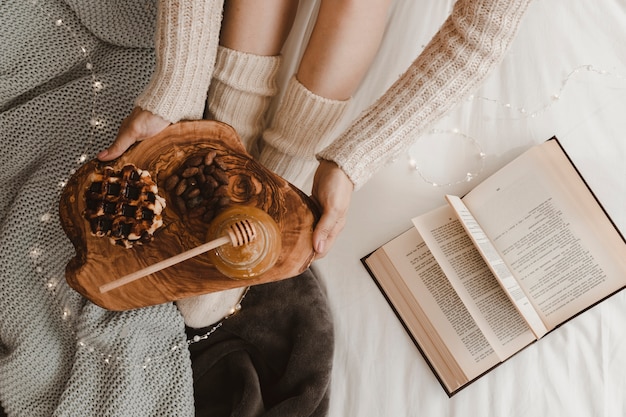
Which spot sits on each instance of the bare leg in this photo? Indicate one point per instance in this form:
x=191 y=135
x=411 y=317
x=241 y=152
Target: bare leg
x=247 y=62
x=252 y=35
x=345 y=39
x=257 y=27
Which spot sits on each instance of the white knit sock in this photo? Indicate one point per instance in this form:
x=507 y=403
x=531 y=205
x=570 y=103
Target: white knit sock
x=204 y=310
x=301 y=127
x=242 y=87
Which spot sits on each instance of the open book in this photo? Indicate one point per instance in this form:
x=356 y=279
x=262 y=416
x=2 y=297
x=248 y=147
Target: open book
x=484 y=276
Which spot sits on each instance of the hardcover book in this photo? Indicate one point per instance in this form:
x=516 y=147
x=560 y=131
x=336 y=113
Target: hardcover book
x=482 y=277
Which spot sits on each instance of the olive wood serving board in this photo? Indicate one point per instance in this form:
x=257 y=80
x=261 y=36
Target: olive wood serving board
x=98 y=261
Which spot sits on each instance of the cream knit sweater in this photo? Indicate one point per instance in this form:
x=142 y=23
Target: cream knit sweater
x=471 y=42
x=186 y=42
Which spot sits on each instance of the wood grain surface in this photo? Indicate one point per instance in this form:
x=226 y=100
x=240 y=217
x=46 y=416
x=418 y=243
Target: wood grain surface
x=98 y=261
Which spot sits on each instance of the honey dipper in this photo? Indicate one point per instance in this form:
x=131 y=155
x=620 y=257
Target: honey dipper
x=238 y=234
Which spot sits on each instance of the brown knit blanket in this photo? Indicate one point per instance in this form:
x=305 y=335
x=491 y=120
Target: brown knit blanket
x=273 y=358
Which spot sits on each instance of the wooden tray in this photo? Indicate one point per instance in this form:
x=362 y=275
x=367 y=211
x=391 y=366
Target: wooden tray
x=98 y=262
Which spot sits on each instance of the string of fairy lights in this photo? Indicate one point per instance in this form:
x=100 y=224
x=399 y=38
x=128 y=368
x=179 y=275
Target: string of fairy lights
x=479 y=157
x=97 y=86
x=53 y=282
x=516 y=112
x=79 y=47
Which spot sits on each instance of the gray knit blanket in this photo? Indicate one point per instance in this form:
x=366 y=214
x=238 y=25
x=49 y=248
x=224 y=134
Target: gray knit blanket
x=69 y=72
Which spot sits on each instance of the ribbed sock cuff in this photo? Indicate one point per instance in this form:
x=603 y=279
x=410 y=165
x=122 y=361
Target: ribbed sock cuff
x=302 y=126
x=241 y=90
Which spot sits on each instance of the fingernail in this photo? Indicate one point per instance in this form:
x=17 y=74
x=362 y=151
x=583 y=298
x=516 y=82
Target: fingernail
x=319 y=246
x=102 y=154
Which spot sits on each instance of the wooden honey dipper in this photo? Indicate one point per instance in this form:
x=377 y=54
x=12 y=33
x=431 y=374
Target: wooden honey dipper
x=238 y=234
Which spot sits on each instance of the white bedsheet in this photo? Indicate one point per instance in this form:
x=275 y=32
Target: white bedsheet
x=565 y=75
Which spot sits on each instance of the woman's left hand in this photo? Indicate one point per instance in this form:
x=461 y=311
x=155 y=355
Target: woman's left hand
x=332 y=190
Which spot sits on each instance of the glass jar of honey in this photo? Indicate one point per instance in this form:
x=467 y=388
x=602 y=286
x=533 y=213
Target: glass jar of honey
x=250 y=259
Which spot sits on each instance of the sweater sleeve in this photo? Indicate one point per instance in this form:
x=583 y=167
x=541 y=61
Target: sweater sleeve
x=471 y=42
x=186 y=42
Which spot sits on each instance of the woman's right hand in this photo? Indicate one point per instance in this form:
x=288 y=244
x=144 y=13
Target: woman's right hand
x=139 y=125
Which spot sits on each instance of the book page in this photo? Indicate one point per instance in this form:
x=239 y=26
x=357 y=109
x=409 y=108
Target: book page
x=551 y=232
x=413 y=317
x=428 y=286
x=474 y=282
x=497 y=265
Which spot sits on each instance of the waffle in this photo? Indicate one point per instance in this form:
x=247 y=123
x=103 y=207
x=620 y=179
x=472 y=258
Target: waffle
x=123 y=205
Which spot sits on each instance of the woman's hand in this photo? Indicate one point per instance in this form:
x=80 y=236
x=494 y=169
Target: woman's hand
x=139 y=125
x=332 y=190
